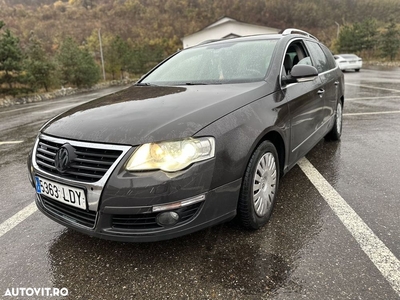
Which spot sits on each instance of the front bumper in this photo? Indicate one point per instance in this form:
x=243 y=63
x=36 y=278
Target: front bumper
x=219 y=206
x=122 y=205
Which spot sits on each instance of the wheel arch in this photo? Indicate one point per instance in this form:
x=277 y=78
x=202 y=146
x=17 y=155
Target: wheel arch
x=277 y=140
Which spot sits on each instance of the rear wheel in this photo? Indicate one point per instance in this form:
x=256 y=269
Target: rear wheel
x=260 y=186
x=336 y=131
x=357 y=70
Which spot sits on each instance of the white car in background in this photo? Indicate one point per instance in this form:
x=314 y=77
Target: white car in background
x=348 y=62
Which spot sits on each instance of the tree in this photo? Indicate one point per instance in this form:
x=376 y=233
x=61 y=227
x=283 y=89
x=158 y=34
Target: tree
x=358 y=37
x=38 y=67
x=145 y=56
x=390 y=44
x=10 y=58
x=117 y=57
x=88 y=4
x=77 y=66
x=368 y=32
x=89 y=71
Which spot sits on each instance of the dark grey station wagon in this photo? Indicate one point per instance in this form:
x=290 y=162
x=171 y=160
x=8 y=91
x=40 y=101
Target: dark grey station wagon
x=201 y=138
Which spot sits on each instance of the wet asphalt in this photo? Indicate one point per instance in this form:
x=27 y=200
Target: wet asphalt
x=305 y=252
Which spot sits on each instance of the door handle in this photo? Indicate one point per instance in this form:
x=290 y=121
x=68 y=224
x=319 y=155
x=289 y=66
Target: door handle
x=321 y=92
x=336 y=83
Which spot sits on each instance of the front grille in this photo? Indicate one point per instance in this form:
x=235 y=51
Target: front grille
x=90 y=164
x=148 y=221
x=83 y=217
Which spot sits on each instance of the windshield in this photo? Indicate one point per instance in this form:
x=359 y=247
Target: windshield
x=218 y=63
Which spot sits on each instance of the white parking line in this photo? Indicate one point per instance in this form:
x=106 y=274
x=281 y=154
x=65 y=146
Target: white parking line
x=56 y=101
x=394 y=97
x=376 y=250
x=10 y=142
x=373 y=113
x=24 y=108
x=372 y=87
x=20 y=216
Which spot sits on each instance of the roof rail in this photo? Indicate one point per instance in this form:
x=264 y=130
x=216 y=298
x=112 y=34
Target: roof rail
x=208 y=41
x=298 y=31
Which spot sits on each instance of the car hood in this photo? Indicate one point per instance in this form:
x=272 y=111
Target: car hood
x=144 y=114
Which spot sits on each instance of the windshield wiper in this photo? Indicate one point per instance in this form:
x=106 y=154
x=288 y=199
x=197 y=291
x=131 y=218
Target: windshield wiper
x=145 y=84
x=195 y=83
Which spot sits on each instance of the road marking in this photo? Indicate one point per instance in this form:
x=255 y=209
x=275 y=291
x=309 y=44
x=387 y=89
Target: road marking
x=373 y=98
x=20 y=216
x=56 y=109
x=373 y=87
x=373 y=113
x=10 y=142
x=68 y=98
x=376 y=250
x=25 y=108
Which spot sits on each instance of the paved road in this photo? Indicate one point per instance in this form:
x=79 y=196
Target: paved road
x=331 y=237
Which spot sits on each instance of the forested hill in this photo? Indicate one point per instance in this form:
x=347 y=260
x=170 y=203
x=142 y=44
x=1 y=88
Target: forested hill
x=45 y=43
x=152 y=20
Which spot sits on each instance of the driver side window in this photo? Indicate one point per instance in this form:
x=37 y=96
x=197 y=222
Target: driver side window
x=295 y=54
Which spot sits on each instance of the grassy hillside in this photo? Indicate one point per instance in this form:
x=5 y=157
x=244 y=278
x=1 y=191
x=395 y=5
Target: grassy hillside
x=47 y=43
x=146 y=20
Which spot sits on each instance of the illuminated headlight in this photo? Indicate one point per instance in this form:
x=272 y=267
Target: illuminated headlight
x=171 y=156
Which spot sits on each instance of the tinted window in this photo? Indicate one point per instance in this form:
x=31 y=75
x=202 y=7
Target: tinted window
x=226 y=62
x=329 y=57
x=349 y=56
x=318 y=57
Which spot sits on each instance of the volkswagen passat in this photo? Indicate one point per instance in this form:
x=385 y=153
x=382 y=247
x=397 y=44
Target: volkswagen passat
x=203 y=137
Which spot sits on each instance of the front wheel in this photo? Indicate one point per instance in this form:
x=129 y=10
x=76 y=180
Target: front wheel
x=259 y=187
x=336 y=131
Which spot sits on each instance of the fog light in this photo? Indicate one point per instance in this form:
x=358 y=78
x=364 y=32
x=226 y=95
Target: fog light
x=168 y=218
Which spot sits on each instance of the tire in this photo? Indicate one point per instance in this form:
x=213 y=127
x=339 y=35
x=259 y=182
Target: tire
x=260 y=186
x=357 y=70
x=336 y=130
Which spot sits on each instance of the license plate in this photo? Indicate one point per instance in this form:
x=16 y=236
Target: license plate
x=352 y=61
x=65 y=194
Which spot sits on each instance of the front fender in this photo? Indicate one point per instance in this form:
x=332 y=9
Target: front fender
x=238 y=134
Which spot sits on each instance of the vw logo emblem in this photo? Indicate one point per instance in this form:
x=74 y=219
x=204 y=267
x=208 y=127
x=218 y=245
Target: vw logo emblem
x=64 y=157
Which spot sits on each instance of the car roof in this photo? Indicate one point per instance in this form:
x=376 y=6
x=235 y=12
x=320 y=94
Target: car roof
x=292 y=32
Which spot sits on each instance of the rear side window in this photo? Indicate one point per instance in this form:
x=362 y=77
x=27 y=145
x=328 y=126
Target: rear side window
x=329 y=57
x=349 y=56
x=318 y=57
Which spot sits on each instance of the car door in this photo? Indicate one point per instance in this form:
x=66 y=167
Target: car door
x=329 y=81
x=333 y=80
x=305 y=104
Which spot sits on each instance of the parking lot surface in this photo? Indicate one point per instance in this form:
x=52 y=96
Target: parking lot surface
x=334 y=233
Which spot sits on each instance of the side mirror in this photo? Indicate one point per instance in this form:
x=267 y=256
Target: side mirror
x=304 y=71
x=301 y=73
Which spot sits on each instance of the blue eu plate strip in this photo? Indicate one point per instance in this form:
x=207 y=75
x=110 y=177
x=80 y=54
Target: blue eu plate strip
x=38 y=190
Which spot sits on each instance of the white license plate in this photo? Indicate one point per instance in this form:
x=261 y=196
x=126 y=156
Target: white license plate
x=352 y=61
x=65 y=194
